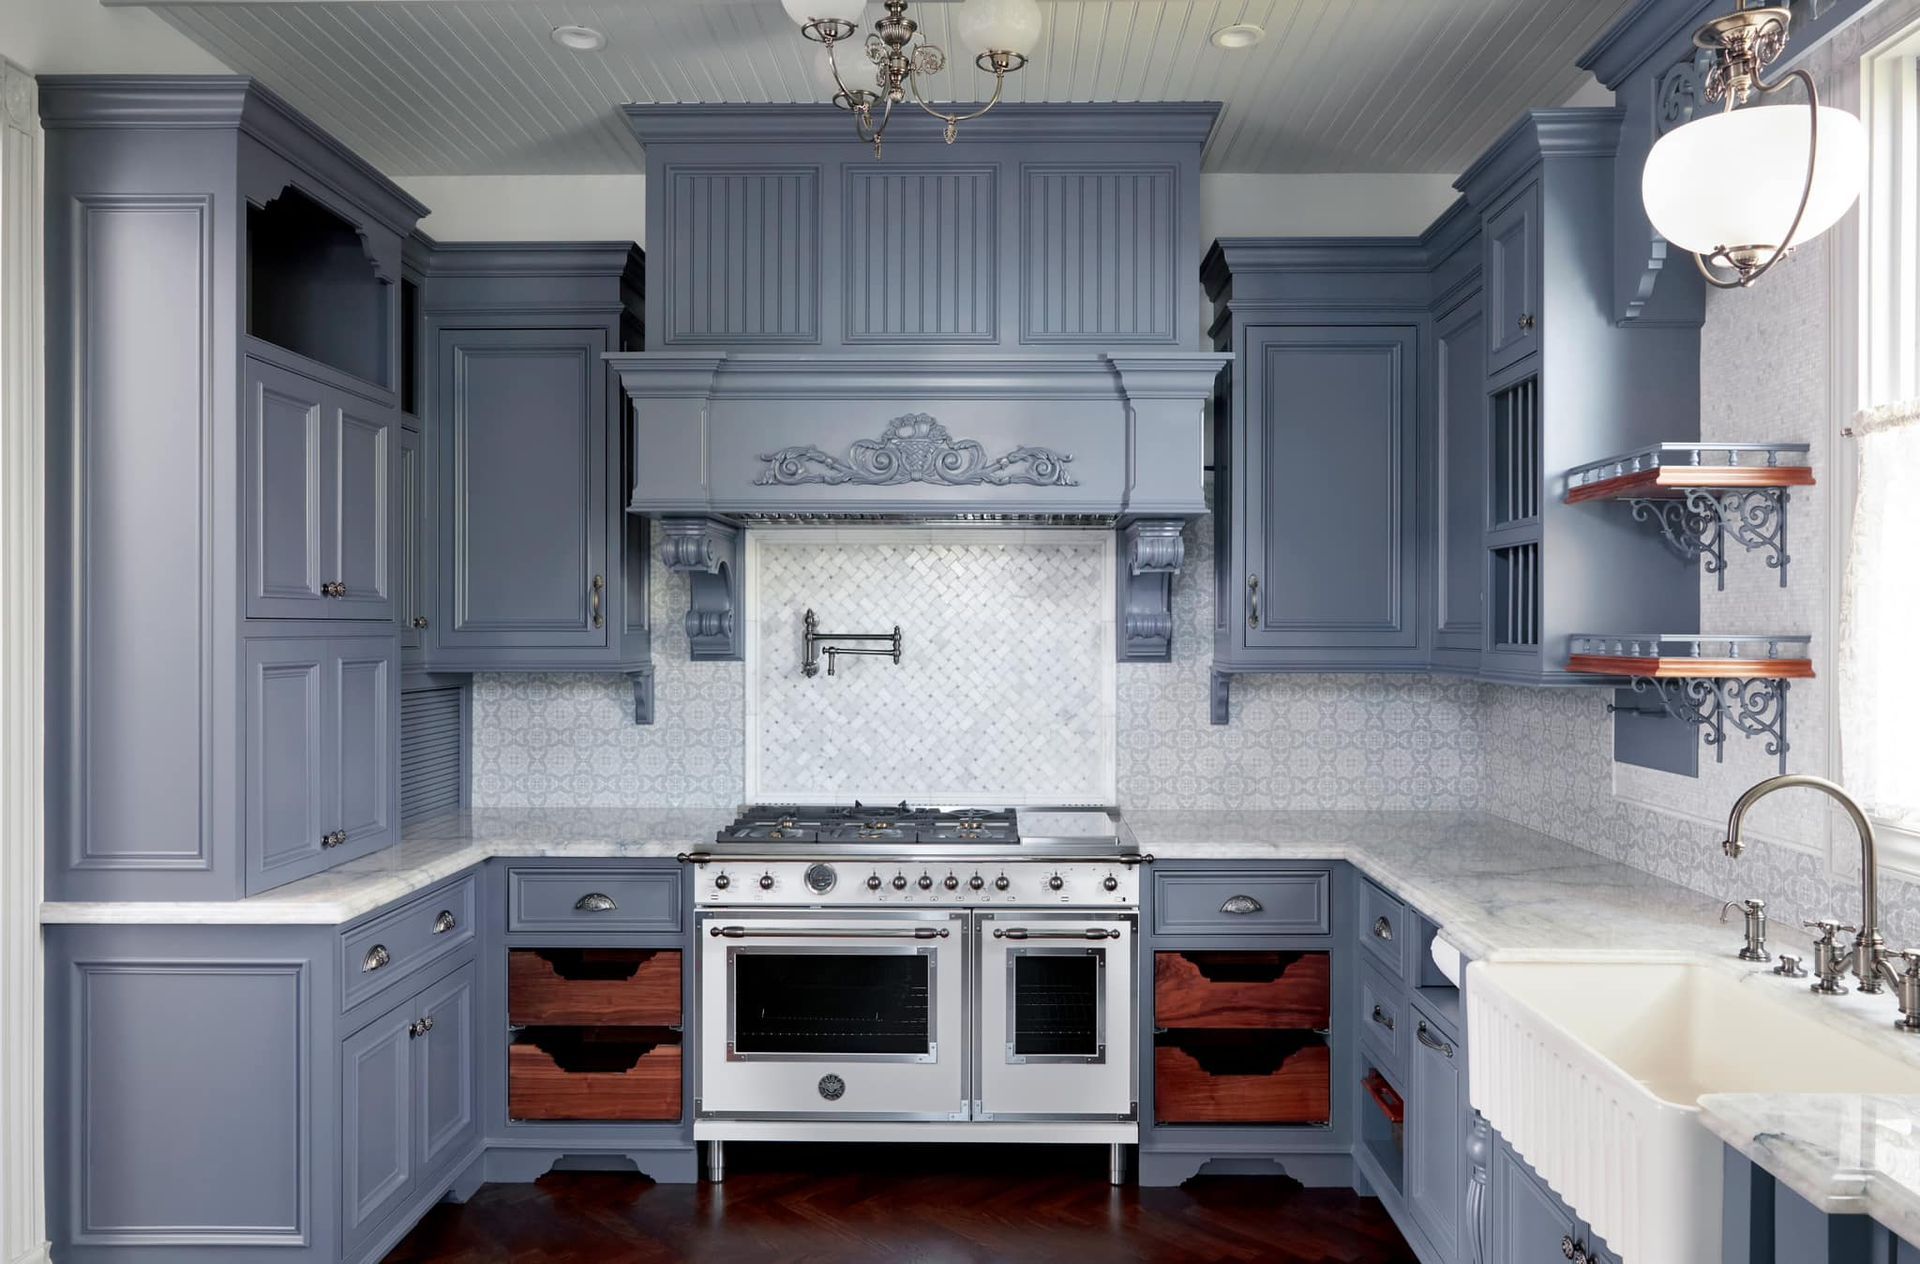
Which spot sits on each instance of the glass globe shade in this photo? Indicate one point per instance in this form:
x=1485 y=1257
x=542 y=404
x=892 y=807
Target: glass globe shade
x=998 y=26
x=805 y=11
x=1734 y=179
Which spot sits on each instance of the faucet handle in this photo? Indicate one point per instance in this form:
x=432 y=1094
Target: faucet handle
x=1829 y=928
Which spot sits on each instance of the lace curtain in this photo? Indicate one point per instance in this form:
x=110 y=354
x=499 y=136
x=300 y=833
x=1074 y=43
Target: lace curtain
x=1880 y=618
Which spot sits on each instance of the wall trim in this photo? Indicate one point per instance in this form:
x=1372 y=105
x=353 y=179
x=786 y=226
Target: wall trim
x=23 y=1238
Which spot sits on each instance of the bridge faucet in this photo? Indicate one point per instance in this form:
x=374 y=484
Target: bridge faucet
x=1869 y=957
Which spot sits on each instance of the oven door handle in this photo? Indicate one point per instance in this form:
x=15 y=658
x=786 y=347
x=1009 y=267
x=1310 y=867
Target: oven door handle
x=1021 y=932
x=916 y=932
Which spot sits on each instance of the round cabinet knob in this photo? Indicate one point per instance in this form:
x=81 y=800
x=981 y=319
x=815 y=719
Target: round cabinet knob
x=766 y=882
x=951 y=883
x=899 y=881
x=1110 y=882
x=873 y=882
x=820 y=878
x=722 y=882
x=1000 y=883
x=976 y=882
x=1056 y=882
x=926 y=882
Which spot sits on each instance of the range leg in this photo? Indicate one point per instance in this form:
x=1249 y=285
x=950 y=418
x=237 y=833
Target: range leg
x=1117 y=1164
x=716 y=1161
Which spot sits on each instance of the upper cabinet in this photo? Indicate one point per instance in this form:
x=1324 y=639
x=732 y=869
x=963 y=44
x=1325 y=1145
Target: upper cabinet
x=537 y=565
x=222 y=418
x=1055 y=226
x=1513 y=277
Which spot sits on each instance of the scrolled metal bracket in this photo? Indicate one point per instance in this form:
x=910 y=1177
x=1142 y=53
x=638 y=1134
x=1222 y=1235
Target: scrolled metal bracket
x=1697 y=527
x=709 y=553
x=1151 y=554
x=1755 y=706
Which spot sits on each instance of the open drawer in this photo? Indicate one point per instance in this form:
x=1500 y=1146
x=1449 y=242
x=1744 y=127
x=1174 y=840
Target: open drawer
x=596 y=1073
x=1242 y=1077
x=1258 y=990
x=593 y=987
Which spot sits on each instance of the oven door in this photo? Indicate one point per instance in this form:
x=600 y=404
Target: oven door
x=844 y=1016
x=1056 y=1016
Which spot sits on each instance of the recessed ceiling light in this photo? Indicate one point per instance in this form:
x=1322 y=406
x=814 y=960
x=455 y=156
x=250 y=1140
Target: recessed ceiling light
x=581 y=39
x=1239 y=35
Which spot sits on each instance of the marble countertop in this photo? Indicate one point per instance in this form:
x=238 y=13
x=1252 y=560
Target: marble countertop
x=1847 y=1154
x=1496 y=889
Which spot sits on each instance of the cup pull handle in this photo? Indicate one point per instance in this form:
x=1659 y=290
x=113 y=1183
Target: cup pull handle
x=377 y=957
x=1241 y=905
x=595 y=902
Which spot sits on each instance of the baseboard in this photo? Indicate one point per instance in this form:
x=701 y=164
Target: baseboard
x=41 y=1254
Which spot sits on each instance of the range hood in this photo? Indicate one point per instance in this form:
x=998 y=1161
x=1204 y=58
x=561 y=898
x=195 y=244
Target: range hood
x=1075 y=438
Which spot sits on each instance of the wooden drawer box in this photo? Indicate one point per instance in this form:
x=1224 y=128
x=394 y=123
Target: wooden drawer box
x=1261 y=990
x=593 y=987
x=1241 y=902
x=1241 y=1078
x=593 y=1074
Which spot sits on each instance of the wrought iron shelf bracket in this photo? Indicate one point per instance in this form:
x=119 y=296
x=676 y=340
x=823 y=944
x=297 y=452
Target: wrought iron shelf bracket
x=709 y=553
x=1755 y=706
x=1151 y=554
x=1697 y=526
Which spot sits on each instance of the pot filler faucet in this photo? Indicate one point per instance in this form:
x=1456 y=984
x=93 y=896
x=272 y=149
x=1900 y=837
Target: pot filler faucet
x=1868 y=958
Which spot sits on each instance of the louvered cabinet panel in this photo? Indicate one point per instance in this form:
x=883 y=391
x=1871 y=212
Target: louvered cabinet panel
x=433 y=751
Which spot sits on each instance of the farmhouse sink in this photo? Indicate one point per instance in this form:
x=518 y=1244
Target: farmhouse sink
x=1592 y=1071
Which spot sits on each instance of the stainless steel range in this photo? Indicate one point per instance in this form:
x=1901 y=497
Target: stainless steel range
x=935 y=974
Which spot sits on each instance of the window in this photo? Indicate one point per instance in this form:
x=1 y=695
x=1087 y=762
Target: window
x=1878 y=691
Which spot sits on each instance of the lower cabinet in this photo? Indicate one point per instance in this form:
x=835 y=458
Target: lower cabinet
x=1530 y=1225
x=407 y=1103
x=596 y=1034
x=1436 y=1133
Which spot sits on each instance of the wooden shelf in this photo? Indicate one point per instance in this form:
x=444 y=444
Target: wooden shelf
x=1686 y=657
x=1667 y=471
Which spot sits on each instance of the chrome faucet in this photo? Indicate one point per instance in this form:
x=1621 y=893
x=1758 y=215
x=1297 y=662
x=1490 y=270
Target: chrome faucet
x=1869 y=959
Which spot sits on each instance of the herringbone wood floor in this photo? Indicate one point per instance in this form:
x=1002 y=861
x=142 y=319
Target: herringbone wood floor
x=928 y=1205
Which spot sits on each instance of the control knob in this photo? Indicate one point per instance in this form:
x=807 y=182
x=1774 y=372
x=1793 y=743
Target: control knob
x=1110 y=882
x=899 y=881
x=976 y=882
x=722 y=882
x=951 y=883
x=766 y=882
x=820 y=878
x=1056 y=882
x=926 y=882
x=873 y=882
x=1000 y=883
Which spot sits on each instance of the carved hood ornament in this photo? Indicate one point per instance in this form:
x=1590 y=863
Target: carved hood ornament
x=916 y=449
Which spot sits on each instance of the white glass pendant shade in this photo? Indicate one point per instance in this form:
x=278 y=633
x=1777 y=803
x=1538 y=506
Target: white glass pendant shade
x=1734 y=179
x=806 y=11
x=998 y=26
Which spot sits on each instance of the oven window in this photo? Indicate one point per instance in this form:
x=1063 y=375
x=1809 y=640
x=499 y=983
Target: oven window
x=819 y=1002
x=1056 y=1003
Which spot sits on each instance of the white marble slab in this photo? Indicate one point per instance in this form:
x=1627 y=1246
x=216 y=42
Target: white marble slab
x=1847 y=1154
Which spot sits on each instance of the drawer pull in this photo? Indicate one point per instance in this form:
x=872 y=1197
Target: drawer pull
x=333 y=588
x=445 y=922
x=420 y=621
x=1383 y=1018
x=419 y=1027
x=377 y=957
x=1383 y=929
x=333 y=838
x=1433 y=1042
x=595 y=902
x=1241 y=905
x=598 y=588
x=1574 y=1251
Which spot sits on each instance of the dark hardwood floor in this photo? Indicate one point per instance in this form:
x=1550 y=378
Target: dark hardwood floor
x=925 y=1204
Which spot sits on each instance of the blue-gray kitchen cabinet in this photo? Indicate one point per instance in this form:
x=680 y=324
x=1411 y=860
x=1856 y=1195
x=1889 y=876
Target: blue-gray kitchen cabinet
x=1436 y=1106
x=1765 y=1222
x=1513 y=277
x=413 y=582
x=1459 y=460
x=1530 y=1224
x=539 y=566
x=220 y=444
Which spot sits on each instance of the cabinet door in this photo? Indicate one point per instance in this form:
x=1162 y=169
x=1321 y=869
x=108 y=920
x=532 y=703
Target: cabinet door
x=1436 y=1135
x=1529 y=1223
x=363 y=742
x=288 y=811
x=360 y=545
x=289 y=419
x=525 y=547
x=1512 y=235
x=378 y=1151
x=410 y=587
x=444 y=1074
x=1460 y=509
x=1331 y=497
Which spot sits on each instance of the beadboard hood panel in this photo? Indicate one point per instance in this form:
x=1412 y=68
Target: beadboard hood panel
x=1068 y=437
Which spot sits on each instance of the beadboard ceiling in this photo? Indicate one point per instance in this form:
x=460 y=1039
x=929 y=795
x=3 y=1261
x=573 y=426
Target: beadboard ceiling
x=469 y=87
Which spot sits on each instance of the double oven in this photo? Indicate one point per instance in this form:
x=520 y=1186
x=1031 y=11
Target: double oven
x=918 y=1015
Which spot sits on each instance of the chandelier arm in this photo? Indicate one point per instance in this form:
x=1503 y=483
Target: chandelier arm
x=833 y=65
x=1746 y=279
x=954 y=120
x=863 y=123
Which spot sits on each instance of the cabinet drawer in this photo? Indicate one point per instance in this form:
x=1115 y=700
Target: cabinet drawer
x=1204 y=902
x=1383 y=1021
x=398 y=945
x=1258 y=990
x=593 y=1074
x=1384 y=929
x=593 y=899
x=593 y=987
x=1243 y=1078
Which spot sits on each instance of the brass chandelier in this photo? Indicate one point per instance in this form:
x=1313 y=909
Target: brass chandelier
x=1000 y=32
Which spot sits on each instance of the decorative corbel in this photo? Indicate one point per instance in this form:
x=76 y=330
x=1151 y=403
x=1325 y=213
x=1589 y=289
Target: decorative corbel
x=642 y=678
x=708 y=552
x=1218 y=693
x=1151 y=552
